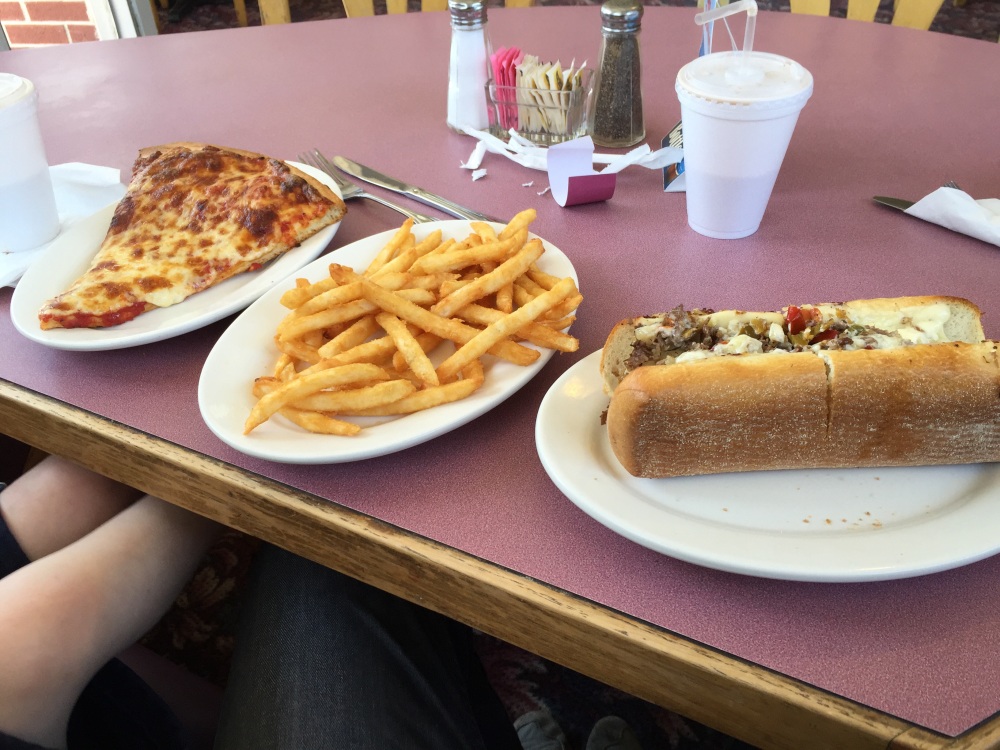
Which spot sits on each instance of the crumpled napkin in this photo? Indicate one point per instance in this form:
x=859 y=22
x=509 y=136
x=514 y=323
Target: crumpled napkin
x=533 y=156
x=958 y=211
x=80 y=190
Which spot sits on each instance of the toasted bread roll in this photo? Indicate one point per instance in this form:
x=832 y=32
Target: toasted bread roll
x=830 y=403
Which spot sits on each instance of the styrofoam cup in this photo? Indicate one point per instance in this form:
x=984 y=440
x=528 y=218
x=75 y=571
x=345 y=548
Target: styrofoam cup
x=28 y=215
x=738 y=113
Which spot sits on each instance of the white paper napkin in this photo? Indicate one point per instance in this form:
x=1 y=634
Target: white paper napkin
x=80 y=190
x=533 y=156
x=959 y=212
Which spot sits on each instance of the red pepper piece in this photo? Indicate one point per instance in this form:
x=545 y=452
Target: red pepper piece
x=826 y=335
x=795 y=319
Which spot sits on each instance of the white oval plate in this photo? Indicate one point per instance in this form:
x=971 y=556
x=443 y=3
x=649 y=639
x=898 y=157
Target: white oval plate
x=809 y=525
x=246 y=351
x=70 y=255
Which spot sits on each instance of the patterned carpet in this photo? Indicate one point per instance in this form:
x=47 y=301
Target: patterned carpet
x=978 y=19
x=198 y=632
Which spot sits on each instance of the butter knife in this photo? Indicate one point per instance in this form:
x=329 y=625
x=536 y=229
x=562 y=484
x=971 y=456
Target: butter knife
x=899 y=203
x=366 y=174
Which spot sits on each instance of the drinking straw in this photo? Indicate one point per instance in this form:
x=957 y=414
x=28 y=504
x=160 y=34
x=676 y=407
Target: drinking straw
x=750 y=6
x=706 y=31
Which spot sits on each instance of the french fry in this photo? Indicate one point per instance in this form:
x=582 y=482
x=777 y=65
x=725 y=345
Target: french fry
x=421 y=400
x=397 y=280
x=283 y=362
x=321 y=424
x=297 y=349
x=353 y=399
x=294 y=327
x=304 y=385
x=558 y=325
x=474 y=371
x=405 y=259
x=565 y=307
x=530 y=286
x=447 y=287
x=488 y=283
x=484 y=229
x=409 y=347
x=355 y=334
x=389 y=249
x=505 y=298
x=545 y=280
x=502 y=328
x=374 y=352
x=535 y=333
x=519 y=222
x=337 y=296
x=495 y=251
x=302 y=293
x=428 y=342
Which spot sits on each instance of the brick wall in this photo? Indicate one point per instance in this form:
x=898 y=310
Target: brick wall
x=32 y=23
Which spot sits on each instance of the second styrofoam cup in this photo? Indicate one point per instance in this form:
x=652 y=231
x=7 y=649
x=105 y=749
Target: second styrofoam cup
x=739 y=113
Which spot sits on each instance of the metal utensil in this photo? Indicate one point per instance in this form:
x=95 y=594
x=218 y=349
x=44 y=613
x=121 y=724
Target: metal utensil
x=369 y=175
x=350 y=190
x=899 y=203
x=903 y=204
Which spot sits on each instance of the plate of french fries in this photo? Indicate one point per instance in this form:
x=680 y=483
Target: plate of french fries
x=390 y=341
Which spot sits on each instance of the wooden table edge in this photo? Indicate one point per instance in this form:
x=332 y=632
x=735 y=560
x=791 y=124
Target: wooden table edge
x=736 y=697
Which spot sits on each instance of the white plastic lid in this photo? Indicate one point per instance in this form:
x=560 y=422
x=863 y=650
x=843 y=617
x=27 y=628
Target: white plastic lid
x=757 y=78
x=14 y=89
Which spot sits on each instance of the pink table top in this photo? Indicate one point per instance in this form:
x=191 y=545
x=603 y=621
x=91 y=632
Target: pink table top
x=895 y=112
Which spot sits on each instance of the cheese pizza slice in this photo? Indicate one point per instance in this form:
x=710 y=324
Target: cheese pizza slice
x=193 y=215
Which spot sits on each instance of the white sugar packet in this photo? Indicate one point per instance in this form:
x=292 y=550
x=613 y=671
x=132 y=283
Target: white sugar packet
x=958 y=211
x=80 y=190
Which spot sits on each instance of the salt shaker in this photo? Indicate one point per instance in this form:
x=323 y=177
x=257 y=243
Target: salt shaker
x=616 y=120
x=28 y=215
x=470 y=64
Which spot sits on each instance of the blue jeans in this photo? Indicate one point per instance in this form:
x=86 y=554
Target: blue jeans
x=325 y=661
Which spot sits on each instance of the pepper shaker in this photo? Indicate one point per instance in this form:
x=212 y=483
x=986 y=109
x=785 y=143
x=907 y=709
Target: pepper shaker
x=617 y=120
x=470 y=62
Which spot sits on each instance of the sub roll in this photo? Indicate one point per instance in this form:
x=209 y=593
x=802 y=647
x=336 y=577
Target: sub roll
x=885 y=382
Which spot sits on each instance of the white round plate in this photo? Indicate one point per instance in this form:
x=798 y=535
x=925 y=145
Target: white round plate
x=70 y=255
x=810 y=525
x=247 y=351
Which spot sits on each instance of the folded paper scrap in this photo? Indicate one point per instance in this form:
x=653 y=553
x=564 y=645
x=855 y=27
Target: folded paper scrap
x=533 y=156
x=960 y=212
x=80 y=190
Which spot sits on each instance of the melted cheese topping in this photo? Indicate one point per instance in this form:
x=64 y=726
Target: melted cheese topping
x=190 y=219
x=923 y=324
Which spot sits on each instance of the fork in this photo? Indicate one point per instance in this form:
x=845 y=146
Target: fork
x=350 y=190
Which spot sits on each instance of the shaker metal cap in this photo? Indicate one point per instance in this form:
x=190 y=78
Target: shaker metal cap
x=467 y=13
x=621 y=16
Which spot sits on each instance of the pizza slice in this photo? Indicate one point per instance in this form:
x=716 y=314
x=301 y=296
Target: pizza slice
x=193 y=215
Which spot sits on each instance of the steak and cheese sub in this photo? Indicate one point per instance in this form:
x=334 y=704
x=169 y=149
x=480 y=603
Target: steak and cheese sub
x=883 y=382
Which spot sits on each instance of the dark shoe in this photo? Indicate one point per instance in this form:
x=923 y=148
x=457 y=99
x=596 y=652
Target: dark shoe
x=612 y=733
x=537 y=730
